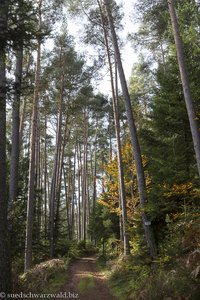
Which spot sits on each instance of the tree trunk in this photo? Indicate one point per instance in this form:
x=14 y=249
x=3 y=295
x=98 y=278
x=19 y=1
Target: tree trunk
x=122 y=193
x=38 y=183
x=194 y=126
x=79 y=192
x=73 y=196
x=134 y=139
x=55 y=177
x=84 y=177
x=58 y=183
x=95 y=171
x=67 y=205
x=69 y=184
x=5 y=270
x=14 y=165
x=31 y=184
x=124 y=218
x=45 y=180
x=23 y=108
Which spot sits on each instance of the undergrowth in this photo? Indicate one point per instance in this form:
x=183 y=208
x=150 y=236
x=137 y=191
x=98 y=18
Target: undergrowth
x=174 y=275
x=46 y=277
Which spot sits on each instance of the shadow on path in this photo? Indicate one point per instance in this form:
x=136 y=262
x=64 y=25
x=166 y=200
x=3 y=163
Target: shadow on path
x=85 y=282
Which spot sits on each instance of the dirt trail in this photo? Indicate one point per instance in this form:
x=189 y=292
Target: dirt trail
x=85 y=282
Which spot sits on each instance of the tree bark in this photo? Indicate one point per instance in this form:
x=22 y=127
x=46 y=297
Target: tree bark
x=14 y=165
x=73 y=197
x=5 y=268
x=55 y=176
x=67 y=204
x=79 y=191
x=193 y=120
x=122 y=193
x=59 y=181
x=24 y=102
x=45 y=180
x=134 y=138
x=84 y=177
x=38 y=181
x=95 y=170
x=31 y=184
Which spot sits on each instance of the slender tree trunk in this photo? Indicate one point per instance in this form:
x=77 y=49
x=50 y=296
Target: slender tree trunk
x=69 y=184
x=57 y=199
x=110 y=126
x=38 y=183
x=57 y=210
x=194 y=125
x=31 y=184
x=59 y=181
x=14 y=165
x=102 y=176
x=22 y=116
x=5 y=269
x=45 y=180
x=54 y=185
x=84 y=177
x=79 y=192
x=23 y=106
x=122 y=192
x=134 y=138
x=67 y=204
x=123 y=219
x=95 y=170
x=73 y=197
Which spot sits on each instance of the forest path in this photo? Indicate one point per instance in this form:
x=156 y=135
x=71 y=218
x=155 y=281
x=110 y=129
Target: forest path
x=86 y=282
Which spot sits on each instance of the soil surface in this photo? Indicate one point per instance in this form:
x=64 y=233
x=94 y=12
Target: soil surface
x=86 y=282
